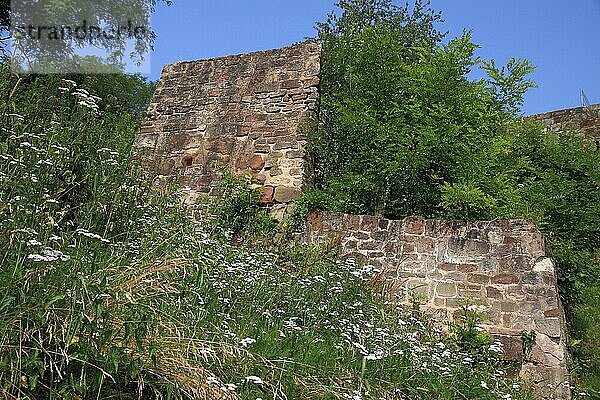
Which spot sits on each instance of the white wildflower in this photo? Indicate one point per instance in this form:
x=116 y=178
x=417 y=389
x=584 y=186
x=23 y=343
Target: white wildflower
x=17 y=116
x=229 y=387
x=247 y=341
x=91 y=235
x=48 y=255
x=378 y=355
x=70 y=83
x=254 y=379
x=496 y=347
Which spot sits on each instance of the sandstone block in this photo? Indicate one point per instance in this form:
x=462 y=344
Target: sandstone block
x=447 y=266
x=284 y=194
x=547 y=352
x=494 y=293
x=275 y=171
x=466 y=268
x=554 y=312
x=445 y=289
x=550 y=327
x=543 y=264
x=368 y=245
x=478 y=278
x=267 y=196
x=256 y=163
x=505 y=279
x=369 y=223
x=414 y=225
x=425 y=245
x=512 y=346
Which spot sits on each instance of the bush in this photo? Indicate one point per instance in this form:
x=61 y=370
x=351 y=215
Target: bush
x=237 y=208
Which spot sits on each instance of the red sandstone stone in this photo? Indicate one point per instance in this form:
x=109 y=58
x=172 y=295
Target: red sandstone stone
x=512 y=346
x=267 y=197
x=425 y=245
x=146 y=129
x=554 y=313
x=256 y=163
x=414 y=225
x=466 y=268
x=505 y=279
x=447 y=267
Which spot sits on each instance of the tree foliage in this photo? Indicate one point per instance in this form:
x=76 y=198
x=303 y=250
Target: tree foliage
x=403 y=126
x=404 y=129
x=60 y=13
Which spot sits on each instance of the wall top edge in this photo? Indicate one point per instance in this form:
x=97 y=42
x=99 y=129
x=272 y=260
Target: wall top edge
x=268 y=52
x=547 y=114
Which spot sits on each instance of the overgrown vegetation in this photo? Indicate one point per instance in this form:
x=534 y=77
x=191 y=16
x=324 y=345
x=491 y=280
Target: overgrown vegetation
x=404 y=130
x=108 y=290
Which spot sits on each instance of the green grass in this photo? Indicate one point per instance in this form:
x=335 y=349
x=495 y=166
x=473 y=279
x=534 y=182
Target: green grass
x=586 y=339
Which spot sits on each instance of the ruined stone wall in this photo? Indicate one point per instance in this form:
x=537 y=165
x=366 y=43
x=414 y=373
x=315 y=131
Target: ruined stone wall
x=241 y=112
x=245 y=113
x=581 y=120
x=499 y=266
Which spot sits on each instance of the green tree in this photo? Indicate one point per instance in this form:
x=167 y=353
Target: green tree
x=16 y=18
x=404 y=129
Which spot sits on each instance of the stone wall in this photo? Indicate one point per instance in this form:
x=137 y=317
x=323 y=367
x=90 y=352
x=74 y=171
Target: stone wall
x=239 y=112
x=584 y=120
x=499 y=267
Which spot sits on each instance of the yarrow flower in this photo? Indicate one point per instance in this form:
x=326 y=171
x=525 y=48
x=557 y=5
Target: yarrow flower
x=496 y=347
x=378 y=355
x=254 y=379
x=247 y=342
x=229 y=387
x=91 y=235
x=48 y=255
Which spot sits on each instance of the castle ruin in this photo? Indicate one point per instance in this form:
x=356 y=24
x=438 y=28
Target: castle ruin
x=246 y=113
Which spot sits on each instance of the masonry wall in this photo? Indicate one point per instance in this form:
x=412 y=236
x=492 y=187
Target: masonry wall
x=240 y=112
x=582 y=120
x=499 y=266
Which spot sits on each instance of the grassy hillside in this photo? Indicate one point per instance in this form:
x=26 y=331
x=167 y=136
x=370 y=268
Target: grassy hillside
x=108 y=290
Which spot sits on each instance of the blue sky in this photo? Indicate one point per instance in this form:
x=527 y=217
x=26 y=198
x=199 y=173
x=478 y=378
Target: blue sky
x=562 y=38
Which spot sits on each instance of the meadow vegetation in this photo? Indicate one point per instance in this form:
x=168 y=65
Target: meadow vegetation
x=109 y=290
